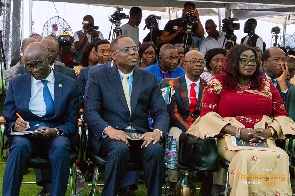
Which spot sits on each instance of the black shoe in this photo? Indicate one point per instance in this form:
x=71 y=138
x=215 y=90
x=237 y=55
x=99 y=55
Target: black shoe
x=45 y=191
x=127 y=191
x=171 y=190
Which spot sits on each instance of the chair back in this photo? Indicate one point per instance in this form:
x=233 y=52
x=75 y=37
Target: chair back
x=290 y=104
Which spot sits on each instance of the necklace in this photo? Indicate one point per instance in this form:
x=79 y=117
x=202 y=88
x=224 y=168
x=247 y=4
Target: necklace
x=244 y=87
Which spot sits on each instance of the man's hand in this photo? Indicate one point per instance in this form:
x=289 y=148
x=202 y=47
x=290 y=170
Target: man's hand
x=195 y=13
x=179 y=30
x=20 y=125
x=283 y=77
x=49 y=132
x=116 y=134
x=149 y=137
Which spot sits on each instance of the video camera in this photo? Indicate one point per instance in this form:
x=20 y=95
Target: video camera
x=151 y=21
x=117 y=16
x=229 y=26
x=89 y=26
x=276 y=30
x=189 y=20
x=65 y=40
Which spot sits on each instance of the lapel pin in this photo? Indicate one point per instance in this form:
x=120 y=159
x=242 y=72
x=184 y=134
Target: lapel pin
x=60 y=85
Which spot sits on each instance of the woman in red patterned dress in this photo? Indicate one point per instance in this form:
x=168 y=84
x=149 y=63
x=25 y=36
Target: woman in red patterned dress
x=247 y=112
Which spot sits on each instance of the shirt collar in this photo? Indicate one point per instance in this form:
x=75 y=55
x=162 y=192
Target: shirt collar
x=130 y=75
x=189 y=82
x=49 y=78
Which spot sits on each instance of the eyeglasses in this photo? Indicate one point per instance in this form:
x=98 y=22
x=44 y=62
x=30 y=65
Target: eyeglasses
x=245 y=61
x=128 y=49
x=37 y=66
x=216 y=61
x=196 y=61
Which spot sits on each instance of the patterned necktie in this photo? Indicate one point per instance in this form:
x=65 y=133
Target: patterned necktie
x=47 y=99
x=125 y=85
x=193 y=102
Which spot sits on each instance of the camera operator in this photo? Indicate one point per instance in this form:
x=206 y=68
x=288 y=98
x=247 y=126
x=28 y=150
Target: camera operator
x=214 y=39
x=131 y=29
x=89 y=34
x=152 y=24
x=252 y=39
x=174 y=30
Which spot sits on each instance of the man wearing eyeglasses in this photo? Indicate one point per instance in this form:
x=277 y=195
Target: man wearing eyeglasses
x=39 y=100
x=185 y=107
x=118 y=102
x=275 y=68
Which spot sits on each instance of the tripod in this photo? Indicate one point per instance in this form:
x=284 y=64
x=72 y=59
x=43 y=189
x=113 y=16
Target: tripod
x=188 y=38
x=117 y=31
x=276 y=36
x=229 y=38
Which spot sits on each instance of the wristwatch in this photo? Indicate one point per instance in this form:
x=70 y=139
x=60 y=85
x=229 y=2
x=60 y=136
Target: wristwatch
x=161 y=132
x=58 y=131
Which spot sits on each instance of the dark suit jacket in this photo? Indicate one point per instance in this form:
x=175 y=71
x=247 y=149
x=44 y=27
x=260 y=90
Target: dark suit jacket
x=83 y=78
x=57 y=67
x=284 y=95
x=65 y=104
x=105 y=104
x=179 y=106
x=178 y=72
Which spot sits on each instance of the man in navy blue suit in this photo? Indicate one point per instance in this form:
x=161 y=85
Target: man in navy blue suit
x=45 y=100
x=118 y=101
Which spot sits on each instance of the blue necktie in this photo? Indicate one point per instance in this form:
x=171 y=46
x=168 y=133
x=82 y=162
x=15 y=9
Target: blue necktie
x=47 y=99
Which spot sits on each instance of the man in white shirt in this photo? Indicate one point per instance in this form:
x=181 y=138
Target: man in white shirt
x=214 y=39
x=131 y=28
x=87 y=35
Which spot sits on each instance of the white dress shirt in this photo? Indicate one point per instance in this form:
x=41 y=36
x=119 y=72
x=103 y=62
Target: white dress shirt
x=188 y=85
x=37 y=105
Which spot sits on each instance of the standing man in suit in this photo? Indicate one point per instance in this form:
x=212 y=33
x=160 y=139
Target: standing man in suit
x=118 y=102
x=166 y=67
x=53 y=47
x=185 y=106
x=275 y=68
x=48 y=101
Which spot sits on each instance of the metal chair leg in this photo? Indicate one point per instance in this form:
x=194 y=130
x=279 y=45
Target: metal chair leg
x=73 y=179
x=226 y=184
x=94 y=181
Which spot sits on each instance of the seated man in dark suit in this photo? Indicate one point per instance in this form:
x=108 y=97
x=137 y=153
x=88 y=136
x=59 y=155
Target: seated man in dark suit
x=185 y=106
x=275 y=68
x=48 y=101
x=118 y=101
x=52 y=44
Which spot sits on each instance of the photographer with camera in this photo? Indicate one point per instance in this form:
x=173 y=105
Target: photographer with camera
x=131 y=29
x=155 y=33
x=176 y=30
x=89 y=34
x=252 y=39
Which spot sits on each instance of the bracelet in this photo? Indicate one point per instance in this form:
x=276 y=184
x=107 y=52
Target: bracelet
x=272 y=130
x=106 y=128
x=238 y=133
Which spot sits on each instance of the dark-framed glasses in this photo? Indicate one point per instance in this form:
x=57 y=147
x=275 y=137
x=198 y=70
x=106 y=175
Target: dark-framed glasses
x=245 y=61
x=37 y=66
x=128 y=49
x=196 y=61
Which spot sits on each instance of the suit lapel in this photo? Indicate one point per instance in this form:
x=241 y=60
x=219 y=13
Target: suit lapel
x=57 y=68
x=114 y=79
x=183 y=91
x=26 y=91
x=136 y=87
x=58 y=91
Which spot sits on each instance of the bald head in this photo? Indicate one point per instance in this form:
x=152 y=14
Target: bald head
x=26 y=42
x=194 y=65
x=53 y=47
x=36 y=49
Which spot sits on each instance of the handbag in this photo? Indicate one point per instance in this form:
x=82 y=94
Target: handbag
x=197 y=153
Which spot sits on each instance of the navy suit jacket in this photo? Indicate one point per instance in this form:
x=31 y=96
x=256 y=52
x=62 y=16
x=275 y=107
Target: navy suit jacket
x=105 y=104
x=65 y=104
x=57 y=67
x=178 y=72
